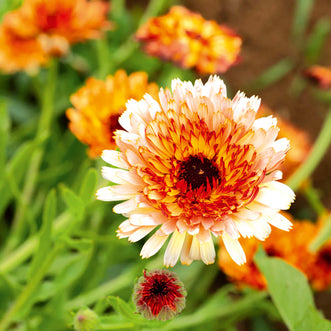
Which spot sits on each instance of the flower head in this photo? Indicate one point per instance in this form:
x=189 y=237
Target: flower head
x=159 y=295
x=48 y=27
x=193 y=164
x=99 y=104
x=320 y=75
x=190 y=41
x=293 y=247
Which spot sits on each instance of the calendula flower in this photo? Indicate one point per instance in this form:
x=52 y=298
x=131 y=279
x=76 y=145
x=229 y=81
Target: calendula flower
x=300 y=142
x=194 y=164
x=99 y=104
x=293 y=247
x=320 y=75
x=18 y=53
x=159 y=294
x=51 y=26
x=190 y=41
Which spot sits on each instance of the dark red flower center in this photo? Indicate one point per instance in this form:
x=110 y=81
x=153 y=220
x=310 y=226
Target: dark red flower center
x=199 y=171
x=325 y=257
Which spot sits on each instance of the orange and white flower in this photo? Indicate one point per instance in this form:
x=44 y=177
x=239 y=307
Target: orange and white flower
x=193 y=165
x=190 y=41
x=99 y=104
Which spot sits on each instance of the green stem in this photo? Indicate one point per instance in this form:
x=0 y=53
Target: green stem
x=23 y=252
x=110 y=287
x=130 y=46
x=105 y=326
x=43 y=131
x=247 y=303
x=320 y=147
x=313 y=198
x=25 y=295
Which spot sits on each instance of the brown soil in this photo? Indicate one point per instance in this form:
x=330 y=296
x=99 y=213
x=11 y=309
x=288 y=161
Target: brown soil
x=265 y=27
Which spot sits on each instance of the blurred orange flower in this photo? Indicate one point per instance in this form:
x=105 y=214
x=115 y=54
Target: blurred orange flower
x=99 y=104
x=290 y=246
x=48 y=27
x=299 y=140
x=190 y=41
x=20 y=53
x=320 y=75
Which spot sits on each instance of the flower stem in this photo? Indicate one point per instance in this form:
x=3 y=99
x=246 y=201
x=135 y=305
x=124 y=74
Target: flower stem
x=110 y=287
x=247 y=303
x=115 y=326
x=23 y=252
x=36 y=159
x=318 y=151
x=30 y=287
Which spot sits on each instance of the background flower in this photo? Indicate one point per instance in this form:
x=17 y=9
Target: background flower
x=293 y=247
x=197 y=164
x=43 y=28
x=190 y=41
x=99 y=104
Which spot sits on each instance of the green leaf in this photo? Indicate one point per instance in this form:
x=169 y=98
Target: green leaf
x=316 y=41
x=45 y=234
x=73 y=201
x=4 y=132
x=88 y=187
x=272 y=75
x=290 y=293
x=301 y=17
x=322 y=237
x=14 y=173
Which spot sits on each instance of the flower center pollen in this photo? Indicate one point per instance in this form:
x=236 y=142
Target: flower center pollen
x=198 y=171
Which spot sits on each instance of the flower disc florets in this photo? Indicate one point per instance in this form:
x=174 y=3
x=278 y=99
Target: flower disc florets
x=159 y=295
x=193 y=164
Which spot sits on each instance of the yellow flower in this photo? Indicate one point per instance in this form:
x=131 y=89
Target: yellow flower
x=194 y=164
x=190 y=41
x=99 y=104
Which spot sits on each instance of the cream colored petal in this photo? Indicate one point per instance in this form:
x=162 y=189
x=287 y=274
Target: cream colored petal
x=125 y=206
x=264 y=123
x=279 y=221
x=185 y=257
x=247 y=214
x=115 y=158
x=244 y=227
x=152 y=245
x=120 y=176
x=167 y=228
x=207 y=251
x=116 y=193
x=281 y=145
x=143 y=220
x=174 y=248
x=261 y=228
x=140 y=233
x=275 y=195
x=207 y=222
x=195 y=249
x=234 y=249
